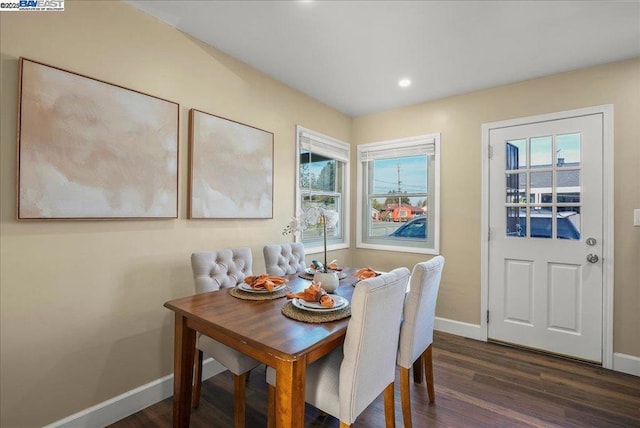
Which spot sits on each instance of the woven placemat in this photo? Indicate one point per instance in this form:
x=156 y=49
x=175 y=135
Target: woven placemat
x=290 y=311
x=246 y=295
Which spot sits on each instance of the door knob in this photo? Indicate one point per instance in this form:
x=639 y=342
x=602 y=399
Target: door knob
x=592 y=258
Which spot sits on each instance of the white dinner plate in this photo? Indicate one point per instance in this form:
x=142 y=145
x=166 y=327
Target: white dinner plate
x=246 y=287
x=340 y=303
x=341 y=274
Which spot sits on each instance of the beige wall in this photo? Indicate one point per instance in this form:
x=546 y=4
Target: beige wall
x=82 y=316
x=459 y=120
x=81 y=302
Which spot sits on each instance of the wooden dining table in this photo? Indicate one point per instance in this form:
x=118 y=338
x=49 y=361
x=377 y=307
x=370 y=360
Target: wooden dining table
x=258 y=329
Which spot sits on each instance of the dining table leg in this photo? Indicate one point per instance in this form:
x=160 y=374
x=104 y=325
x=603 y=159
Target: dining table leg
x=290 y=384
x=183 y=354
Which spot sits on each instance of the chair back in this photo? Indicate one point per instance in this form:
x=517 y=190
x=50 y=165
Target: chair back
x=371 y=341
x=218 y=269
x=416 y=333
x=284 y=259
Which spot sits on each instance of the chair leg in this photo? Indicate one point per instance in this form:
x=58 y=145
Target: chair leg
x=343 y=425
x=197 y=380
x=405 y=396
x=427 y=356
x=389 y=407
x=271 y=410
x=417 y=370
x=240 y=384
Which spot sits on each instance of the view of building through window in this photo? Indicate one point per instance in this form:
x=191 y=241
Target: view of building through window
x=543 y=192
x=399 y=187
x=399 y=193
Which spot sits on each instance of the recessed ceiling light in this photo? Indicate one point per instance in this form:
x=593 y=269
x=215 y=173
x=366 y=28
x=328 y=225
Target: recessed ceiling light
x=403 y=83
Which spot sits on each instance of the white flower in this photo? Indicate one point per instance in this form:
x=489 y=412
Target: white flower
x=295 y=226
x=312 y=218
x=331 y=217
x=316 y=215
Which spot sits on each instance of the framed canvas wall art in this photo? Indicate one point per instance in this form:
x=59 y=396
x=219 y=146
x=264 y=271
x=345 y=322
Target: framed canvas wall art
x=230 y=169
x=88 y=149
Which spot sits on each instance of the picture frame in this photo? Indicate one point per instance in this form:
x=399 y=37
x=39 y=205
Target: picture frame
x=230 y=169
x=89 y=149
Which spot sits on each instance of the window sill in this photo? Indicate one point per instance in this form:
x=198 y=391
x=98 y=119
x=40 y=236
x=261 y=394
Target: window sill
x=399 y=249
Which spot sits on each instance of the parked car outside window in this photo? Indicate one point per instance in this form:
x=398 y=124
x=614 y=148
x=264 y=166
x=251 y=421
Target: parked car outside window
x=414 y=228
x=540 y=226
x=567 y=225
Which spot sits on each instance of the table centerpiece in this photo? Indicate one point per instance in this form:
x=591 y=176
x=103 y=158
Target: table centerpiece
x=315 y=217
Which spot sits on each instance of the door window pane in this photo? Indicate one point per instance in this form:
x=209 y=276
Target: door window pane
x=541 y=152
x=516 y=222
x=568 y=223
x=516 y=154
x=516 y=188
x=568 y=186
x=540 y=222
x=541 y=185
x=568 y=150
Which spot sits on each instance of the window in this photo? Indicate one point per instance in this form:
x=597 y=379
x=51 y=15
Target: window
x=549 y=169
x=323 y=181
x=398 y=186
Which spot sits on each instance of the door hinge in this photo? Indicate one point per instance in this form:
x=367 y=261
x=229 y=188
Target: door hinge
x=490 y=151
x=489 y=235
x=487 y=316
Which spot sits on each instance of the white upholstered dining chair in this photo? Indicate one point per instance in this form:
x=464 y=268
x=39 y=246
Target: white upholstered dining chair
x=212 y=271
x=416 y=333
x=347 y=380
x=284 y=259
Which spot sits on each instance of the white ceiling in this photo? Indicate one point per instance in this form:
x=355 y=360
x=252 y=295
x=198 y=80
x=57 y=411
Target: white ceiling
x=351 y=54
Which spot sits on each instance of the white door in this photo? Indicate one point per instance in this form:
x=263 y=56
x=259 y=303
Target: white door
x=545 y=236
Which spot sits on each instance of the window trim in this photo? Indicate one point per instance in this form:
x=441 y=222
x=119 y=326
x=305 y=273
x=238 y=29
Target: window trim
x=402 y=145
x=339 y=151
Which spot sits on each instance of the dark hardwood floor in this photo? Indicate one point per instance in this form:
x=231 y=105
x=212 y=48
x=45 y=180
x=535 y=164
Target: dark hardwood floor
x=477 y=384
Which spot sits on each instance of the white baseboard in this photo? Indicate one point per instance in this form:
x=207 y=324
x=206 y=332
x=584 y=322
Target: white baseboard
x=130 y=402
x=626 y=364
x=472 y=331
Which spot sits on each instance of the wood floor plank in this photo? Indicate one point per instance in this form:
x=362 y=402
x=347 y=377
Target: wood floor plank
x=477 y=384
x=506 y=394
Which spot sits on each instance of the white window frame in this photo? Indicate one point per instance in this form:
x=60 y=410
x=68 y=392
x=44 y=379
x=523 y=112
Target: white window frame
x=340 y=151
x=398 y=148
